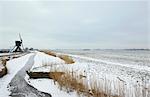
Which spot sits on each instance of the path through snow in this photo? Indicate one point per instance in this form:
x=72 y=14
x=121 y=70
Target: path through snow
x=20 y=88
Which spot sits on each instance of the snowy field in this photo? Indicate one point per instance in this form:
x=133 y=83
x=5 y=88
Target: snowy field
x=132 y=67
x=134 y=57
x=117 y=72
x=122 y=72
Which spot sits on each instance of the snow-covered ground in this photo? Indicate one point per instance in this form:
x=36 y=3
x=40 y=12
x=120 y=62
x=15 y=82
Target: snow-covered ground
x=3 y=54
x=135 y=57
x=8 y=54
x=124 y=72
x=47 y=63
x=123 y=76
x=48 y=86
x=133 y=78
x=13 y=67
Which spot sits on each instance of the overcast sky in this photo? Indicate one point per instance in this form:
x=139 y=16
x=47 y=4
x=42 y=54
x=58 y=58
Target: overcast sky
x=75 y=24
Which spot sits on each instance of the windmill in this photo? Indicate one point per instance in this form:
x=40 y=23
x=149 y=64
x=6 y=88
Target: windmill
x=18 y=44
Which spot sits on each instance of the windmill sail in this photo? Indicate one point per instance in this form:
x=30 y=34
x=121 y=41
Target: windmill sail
x=21 y=40
x=20 y=37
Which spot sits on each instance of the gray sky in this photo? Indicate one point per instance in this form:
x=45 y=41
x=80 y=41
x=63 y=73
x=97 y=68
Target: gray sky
x=75 y=24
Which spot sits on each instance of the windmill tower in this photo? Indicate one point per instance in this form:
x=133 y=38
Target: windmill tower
x=18 y=44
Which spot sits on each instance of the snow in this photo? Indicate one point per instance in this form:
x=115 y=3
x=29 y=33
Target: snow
x=128 y=71
x=13 y=67
x=130 y=66
x=48 y=86
x=42 y=61
x=8 y=54
x=3 y=54
x=132 y=79
x=114 y=63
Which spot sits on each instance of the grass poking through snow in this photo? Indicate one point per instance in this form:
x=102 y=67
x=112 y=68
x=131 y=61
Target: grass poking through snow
x=49 y=52
x=69 y=81
x=67 y=59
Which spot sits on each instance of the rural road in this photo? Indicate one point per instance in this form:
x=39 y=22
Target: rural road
x=20 y=88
